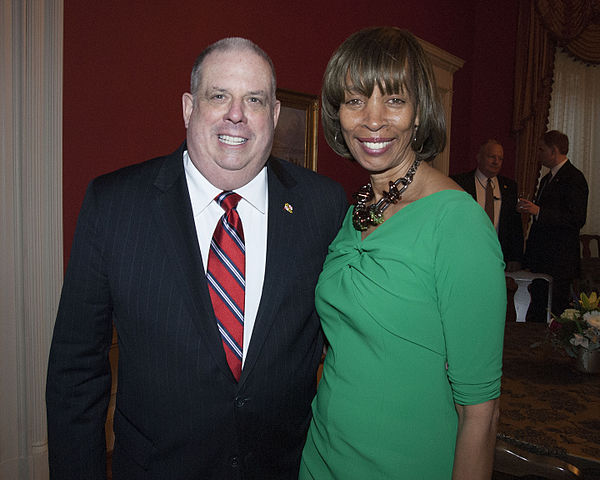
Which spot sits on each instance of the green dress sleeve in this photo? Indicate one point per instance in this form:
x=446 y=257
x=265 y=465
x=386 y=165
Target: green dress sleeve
x=471 y=291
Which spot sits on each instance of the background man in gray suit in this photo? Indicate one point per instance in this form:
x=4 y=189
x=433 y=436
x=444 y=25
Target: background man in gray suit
x=139 y=258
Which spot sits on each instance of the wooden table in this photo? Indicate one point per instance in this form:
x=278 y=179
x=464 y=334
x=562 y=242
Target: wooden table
x=547 y=407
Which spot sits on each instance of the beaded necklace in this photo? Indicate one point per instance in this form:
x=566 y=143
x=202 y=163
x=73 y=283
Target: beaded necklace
x=366 y=215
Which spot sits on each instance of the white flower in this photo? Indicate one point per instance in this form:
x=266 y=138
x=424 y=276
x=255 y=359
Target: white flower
x=570 y=314
x=579 y=339
x=592 y=318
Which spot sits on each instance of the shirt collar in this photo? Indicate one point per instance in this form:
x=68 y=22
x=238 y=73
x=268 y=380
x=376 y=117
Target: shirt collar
x=556 y=168
x=202 y=192
x=483 y=178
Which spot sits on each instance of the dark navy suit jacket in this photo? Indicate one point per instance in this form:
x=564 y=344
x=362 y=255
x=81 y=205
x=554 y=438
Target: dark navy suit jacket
x=179 y=412
x=510 y=227
x=553 y=242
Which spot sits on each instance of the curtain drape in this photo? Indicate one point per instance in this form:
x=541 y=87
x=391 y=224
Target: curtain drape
x=575 y=24
x=575 y=110
x=542 y=26
x=533 y=86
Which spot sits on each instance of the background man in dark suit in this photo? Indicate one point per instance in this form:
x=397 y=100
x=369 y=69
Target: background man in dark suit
x=500 y=202
x=559 y=211
x=140 y=258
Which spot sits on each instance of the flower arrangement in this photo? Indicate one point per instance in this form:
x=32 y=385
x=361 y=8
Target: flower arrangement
x=579 y=327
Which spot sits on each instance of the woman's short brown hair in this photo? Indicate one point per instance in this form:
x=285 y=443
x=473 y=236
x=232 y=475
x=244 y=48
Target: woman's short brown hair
x=393 y=60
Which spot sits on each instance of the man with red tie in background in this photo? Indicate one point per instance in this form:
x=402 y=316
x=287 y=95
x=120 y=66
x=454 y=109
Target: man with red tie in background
x=206 y=261
x=559 y=212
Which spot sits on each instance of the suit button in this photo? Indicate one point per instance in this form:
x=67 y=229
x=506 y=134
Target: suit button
x=235 y=462
x=240 y=401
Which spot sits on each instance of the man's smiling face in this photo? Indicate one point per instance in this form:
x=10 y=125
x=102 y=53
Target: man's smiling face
x=232 y=117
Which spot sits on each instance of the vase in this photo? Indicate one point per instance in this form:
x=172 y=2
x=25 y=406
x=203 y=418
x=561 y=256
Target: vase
x=588 y=361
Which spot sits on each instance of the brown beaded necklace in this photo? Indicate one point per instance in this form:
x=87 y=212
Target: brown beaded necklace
x=366 y=215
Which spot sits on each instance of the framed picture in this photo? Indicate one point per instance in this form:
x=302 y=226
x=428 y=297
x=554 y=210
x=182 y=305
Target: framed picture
x=297 y=130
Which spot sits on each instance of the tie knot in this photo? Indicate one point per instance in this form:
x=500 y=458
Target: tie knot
x=228 y=200
x=489 y=180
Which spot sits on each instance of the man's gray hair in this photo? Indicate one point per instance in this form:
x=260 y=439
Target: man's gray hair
x=229 y=44
x=489 y=141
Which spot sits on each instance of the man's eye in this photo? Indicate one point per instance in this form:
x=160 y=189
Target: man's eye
x=257 y=101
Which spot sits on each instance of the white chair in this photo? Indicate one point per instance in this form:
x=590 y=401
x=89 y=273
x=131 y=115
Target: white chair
x=522 y=299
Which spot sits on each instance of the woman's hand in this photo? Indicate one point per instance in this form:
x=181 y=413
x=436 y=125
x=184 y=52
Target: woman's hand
x=475 y=441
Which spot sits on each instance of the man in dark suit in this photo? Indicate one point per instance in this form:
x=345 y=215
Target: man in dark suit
x=559 y=211
x=498 y=196
x=141 y=257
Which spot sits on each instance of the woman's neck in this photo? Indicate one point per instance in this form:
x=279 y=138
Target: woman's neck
x=380 y=182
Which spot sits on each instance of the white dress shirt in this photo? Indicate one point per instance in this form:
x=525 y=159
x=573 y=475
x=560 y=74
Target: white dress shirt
x=253 y=209
x=480 y=186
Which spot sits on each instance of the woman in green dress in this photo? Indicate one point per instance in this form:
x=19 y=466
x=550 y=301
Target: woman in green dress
x=412 y=296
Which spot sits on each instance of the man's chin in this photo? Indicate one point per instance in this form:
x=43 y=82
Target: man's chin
x=231 y=176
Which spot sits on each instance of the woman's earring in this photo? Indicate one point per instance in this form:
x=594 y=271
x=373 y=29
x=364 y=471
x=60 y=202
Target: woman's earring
x=415 y=140
x=415 y=134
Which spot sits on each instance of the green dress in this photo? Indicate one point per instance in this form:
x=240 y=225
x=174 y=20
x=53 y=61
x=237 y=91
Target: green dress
x=414 y=315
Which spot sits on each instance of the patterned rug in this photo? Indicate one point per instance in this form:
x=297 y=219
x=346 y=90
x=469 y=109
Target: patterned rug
x=547 y=406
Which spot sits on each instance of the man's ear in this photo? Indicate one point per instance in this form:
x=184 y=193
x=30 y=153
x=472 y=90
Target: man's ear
x=276 y=111
x=187 y=104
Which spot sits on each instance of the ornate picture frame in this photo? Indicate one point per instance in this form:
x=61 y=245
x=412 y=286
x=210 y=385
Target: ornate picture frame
x=296 y=135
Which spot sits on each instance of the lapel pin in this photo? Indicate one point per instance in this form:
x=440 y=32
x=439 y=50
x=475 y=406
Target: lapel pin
x=288 y=208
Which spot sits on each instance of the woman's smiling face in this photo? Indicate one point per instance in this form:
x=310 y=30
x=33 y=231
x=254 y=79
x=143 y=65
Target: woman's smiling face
x=378 y=129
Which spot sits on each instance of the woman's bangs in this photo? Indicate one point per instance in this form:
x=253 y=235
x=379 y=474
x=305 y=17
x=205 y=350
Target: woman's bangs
x=364 y=77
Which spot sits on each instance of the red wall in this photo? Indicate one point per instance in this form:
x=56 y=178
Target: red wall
x=126 y=65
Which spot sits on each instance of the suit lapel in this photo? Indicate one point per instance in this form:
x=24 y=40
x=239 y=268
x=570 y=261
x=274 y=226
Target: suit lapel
x=280 y=241
x=544 y=183
x=549 y=184
x=503 y=187
x=552 y=182
x=470 y=186
x=172 y=211
x=562 y=172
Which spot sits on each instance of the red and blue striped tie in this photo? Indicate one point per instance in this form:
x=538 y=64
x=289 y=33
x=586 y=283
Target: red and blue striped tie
x=226 y=279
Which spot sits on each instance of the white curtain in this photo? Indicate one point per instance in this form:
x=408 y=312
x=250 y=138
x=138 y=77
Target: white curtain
x=575 y=111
